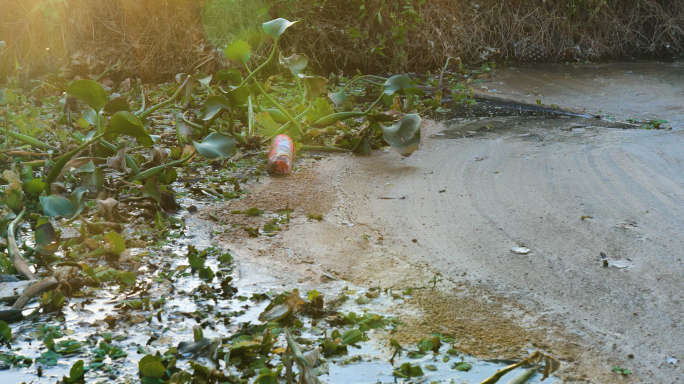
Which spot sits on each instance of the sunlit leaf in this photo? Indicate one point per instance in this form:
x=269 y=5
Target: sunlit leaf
x=151 y=366
x=215 y=145
x=275 y=28
x=462 y=366
x=116 y=241
x=295 y=63
x=89 y=92
x=126 y=123
x=401 y=84
x=404 y=135
x=238 y=51
x=127 y=278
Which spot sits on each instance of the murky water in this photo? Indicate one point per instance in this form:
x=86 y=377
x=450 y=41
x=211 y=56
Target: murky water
x=492 y=119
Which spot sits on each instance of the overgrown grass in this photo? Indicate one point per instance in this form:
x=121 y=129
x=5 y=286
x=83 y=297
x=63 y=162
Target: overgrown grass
x=155 y=39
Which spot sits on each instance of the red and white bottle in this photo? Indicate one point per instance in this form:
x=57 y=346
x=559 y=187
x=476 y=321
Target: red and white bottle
x=281 y=155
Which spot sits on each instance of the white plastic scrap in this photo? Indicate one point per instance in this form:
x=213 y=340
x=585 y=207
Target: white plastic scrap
x=521 y=250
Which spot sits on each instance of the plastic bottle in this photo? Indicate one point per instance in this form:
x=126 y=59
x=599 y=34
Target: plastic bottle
x=281 y=155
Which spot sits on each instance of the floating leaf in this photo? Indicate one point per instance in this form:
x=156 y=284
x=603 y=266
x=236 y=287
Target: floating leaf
x=462 y=366
x=89 y=92
x=151 y=366
x=5 y=333
x=231 y=75
x=152 y=190
x=127 y=278
x=275 y=28
x=126 y=123
x=116 y=241
x=215 y=145
x=55 y=205
x=75 y=374
x=401 y=84
x=295 y=63
x=404 y=135
x=238 y=51
x=238 y=96
x=45 y=237
x=352 y=336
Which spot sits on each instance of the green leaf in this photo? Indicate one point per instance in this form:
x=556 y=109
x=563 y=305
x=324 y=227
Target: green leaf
x=231 y=75
x=151 y=366
x=117 y=242
x=45 y=237
x=352 y=336
x=295 y=63
x=315 y=86
x=126 y=123
x=152 y=190
x=401 y=84
x=238 y=96
x=159 y=221
x=404 y=135
x=238 y=51
x=462 y=366
x=89 y=92
x=338 y=97
x=127 y=278
x=267 y=126
x=215 y=145
x=89 y=271
x=275 y=28
x=117 y=104
x=36 y=186
x=55 y=205
x=196 y=262
x=213 y=105
x=5 y=332
x=77 y=371
x=90 y=116
x=322 y=109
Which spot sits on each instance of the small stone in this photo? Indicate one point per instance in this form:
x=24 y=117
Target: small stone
x=631 y=356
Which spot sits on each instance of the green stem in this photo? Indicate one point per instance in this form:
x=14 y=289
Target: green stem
x=287 y=125
x=370 y=109
x=106 y=71
x=190 y=123
x=130 y=163
x=250 y=117
x=164 y=103
x=281 y=109
x=28 y=140
x=159 y=169
x=301 y=90
x=363 y=137
x=142 y=108
x=323 y=148
x=251 y=74
x=208 y=88
x=59 y=164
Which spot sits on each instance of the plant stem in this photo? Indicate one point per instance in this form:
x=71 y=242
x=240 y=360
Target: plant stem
x=250 y=117
x=287 y=125
x=370 y=109
x=281 y=109
x=190 y=123
x=301 y=90
x=106 y=71
x=164 y=103
x=363 y=137
x=251 y=74
x=59 y=164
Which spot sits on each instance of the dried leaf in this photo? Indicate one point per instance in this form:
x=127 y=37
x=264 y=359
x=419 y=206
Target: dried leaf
x=107 y=208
